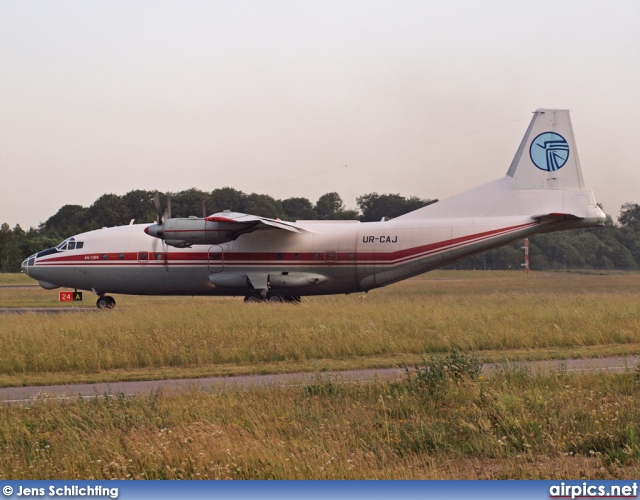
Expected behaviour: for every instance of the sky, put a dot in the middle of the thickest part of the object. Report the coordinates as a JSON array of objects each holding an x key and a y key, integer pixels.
[{"x": 300, "y": 98}]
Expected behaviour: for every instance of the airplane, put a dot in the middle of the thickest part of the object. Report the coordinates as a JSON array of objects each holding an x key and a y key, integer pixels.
[{"x": 262, "y": 259}]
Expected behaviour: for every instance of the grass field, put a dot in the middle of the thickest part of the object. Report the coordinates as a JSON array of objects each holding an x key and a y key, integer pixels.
[
  {"x": 508, "y": 426},
  {"x": 499, "y": 315},
  {"x": 511, "y": 425}
]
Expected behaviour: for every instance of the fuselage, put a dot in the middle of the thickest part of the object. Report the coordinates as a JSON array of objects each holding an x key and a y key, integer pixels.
[
  {"x": 344, "y": 257},
  {"x": 232, "y": 253}
]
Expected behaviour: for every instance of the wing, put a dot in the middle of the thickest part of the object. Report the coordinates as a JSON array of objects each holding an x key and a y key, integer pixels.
[
  {"x": 215, "y": 229},
  {"x": 233, "y": 219}
]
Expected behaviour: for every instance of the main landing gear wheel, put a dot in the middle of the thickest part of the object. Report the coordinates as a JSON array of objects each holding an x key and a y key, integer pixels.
[
  {"x": 252, "y": 299},
  {"x": 272, "y": 298},
  {"x": 275, "y": 298},
  {"x": 105, "y": 302}
]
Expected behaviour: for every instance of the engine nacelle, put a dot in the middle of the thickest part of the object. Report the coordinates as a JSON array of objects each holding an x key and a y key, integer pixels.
[
  {"x": 183, "y": 233},
  {"x": 230, "y": 280},
  {"x": 295, "y": 280}
]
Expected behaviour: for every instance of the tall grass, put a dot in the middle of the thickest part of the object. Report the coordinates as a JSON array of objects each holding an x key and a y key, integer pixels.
[
  {"x": 502, "y": 312},
  {"x": 511, "y": 425}
]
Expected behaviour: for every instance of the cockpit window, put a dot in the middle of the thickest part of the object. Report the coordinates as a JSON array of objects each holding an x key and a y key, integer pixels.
[{"x": 70, "y": 244}]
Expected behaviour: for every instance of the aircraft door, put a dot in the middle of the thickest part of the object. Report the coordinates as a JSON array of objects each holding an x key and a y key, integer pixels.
[
  {"x": 365, "y": 252},
  {"x": 216, "y": 259}
]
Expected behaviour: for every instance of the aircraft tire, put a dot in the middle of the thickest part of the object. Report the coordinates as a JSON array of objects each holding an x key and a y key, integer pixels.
[
  {"x": 105, "y": 302},
  {"x": 275, "y": 298},
  {"x": 252, "y": 299}
]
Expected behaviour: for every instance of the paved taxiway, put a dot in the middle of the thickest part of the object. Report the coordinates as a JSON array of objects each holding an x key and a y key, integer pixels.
[
  {"x": 46, "y": 310},
  {"x": 25, "y": 395}
]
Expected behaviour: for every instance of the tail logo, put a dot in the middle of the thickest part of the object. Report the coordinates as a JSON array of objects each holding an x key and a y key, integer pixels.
[{"x": 549, "y": 151}]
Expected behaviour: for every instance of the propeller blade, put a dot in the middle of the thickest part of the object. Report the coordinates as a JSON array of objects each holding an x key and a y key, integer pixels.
[
  {"x": 156, "y": 204},
  {"x": 168, "y": 210}
]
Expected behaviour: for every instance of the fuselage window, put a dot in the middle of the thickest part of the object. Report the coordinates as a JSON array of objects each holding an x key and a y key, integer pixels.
[
  {"x": 79, "y": 245},
  {"x": 72, "y": 245},
  {"x": 143, "y": 256}
]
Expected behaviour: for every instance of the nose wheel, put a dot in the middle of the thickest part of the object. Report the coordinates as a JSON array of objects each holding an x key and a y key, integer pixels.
[{"x": 105, "y": 302}]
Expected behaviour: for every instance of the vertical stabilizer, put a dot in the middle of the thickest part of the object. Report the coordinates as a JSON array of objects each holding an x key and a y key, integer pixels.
[
  {"x": 547, "y": 157},
  {"x": 544, "y": 178}
]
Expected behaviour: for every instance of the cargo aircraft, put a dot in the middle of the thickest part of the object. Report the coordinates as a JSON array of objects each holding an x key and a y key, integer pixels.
[{"x": 230, "y": 253}]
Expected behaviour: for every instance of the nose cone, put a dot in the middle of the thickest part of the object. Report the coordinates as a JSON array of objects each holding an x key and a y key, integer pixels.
[
  {"x": 154, "y": 230},
  {"x": 27, "y": 264}
]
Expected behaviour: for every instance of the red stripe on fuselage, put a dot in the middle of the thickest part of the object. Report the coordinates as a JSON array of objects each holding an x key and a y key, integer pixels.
[{"x": 280, "y": 258}]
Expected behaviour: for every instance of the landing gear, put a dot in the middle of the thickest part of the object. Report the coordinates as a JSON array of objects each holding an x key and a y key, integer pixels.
[
  {"x": 275, "y": 298},
  {"x": 253, "y": 298},
  {"x": 272, "y": 298},
  {"x": 105, "y": 302}
]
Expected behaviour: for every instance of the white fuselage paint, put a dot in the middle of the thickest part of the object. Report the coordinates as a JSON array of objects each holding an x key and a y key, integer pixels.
[
  {"x": 315, "y": 258},
  {"x": 353, "y": 256}
]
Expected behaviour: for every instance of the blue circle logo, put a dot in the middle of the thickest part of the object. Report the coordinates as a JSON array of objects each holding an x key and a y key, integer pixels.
[{"x": 549, "y": 151}]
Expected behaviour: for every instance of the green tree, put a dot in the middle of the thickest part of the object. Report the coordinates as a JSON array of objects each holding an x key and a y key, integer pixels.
[
  {"x": 264, "y": 206},
  {"x": 107, "y": 211},
  {"x": 375, "y": 206},
  {"x": 298, "y": 209},
  {"x": 70, "y": 219},
  {"x": 331, "y": 207},
  {"x": 191, "y": 202},
  {"x": 629, "y": 215},
  {"x": 140, "y": 205},
  {"x": 10, "y": 253},
  {"x": 227, "y": 198}
]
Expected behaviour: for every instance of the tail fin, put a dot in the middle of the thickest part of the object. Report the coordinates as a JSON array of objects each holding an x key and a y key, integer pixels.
[
  {"x": 544, "y": 178},
  {"x": 547, "y": 157}
]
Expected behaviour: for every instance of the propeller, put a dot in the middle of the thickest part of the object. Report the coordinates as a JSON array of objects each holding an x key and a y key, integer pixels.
[
  {"x": 156, "y": 204},
  {"x": 161, "y": 217}
]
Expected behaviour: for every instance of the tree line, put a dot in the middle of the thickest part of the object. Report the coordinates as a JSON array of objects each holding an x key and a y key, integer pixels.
[{"x": 614, "y": 246}]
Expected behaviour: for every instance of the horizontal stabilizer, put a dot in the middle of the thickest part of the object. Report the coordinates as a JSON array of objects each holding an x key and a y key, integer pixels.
[{"x": 556, "y": 216}]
